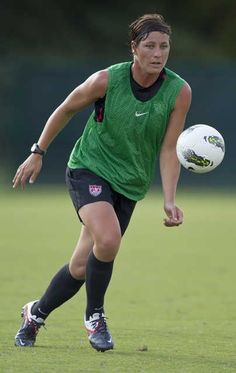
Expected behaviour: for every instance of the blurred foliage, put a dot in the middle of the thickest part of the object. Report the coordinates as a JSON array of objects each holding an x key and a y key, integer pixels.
[{"x": 201, "y": 29}]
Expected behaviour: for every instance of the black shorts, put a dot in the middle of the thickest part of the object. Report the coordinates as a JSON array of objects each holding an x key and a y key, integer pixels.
[{"x": 86, "y": 187}]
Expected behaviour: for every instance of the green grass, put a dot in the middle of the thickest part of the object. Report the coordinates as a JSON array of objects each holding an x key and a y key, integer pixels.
[{"x": 171, "y": 303}]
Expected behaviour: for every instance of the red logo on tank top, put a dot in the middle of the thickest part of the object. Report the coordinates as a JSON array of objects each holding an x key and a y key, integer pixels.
[{"x": 95, "y": 190}]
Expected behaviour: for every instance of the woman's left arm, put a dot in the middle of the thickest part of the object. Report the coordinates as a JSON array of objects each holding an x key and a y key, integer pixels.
[{"x": 169, "y": 164}]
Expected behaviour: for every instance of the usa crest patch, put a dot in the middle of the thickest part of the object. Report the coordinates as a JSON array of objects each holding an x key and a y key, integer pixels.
[{"x": 95, "y": 190}]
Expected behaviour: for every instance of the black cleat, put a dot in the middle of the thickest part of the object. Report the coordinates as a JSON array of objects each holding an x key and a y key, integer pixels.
[
  {"x": 28, "y": 331},
  {"x": 98, "y": 333}
]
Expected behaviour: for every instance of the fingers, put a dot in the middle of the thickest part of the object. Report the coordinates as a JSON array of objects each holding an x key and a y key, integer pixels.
[
  {"x": 33, "y": 177},
  {"x": 21, "y": 178},
  {"x": 175, "y": 217},
  {"x": 170, "y": 222},
  {"x": 28, "y": 170},
  {"x": 18, "y": 177}
]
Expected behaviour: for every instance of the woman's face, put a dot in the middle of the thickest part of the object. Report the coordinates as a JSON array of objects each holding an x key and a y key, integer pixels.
[{"x": 152, "y": 53}]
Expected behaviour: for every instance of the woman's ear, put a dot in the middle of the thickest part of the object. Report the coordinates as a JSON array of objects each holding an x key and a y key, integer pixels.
[{"x": 133, "y": 46}]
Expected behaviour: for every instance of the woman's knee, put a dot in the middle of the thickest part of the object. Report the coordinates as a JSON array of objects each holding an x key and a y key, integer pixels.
[
  {"x": 77, "y": 270},
  {"x": 107, "y": 245}
]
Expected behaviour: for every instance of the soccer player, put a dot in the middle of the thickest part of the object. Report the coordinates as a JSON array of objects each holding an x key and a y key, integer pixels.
[{"x": 140, "y": 107}]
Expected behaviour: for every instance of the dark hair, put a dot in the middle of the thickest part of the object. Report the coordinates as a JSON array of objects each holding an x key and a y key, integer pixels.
[{"x": 142, "y": 26}]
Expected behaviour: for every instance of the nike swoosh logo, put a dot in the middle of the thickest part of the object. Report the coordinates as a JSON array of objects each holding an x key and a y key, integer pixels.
[
  {"x": 109, "y": 340},
  {"x": 21, "y": 343},
  {"x": 137, "y": 114}
]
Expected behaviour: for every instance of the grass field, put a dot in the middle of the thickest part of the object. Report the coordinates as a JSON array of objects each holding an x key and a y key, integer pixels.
[{"x": 171, "y": 304}]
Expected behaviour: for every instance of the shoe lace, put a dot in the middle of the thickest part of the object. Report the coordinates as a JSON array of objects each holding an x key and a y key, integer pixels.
[
  {"x": 34, "y": 327},
  {"x": 100, "y": 324}
]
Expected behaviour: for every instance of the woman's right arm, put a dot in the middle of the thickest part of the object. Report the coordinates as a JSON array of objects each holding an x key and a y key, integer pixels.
[{"x": 84, "y": 95}]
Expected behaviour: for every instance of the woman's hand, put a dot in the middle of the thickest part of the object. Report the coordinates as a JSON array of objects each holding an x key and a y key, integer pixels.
[
  {"x": 28, "y": 170},
  {"x": 174, "y": 216}
]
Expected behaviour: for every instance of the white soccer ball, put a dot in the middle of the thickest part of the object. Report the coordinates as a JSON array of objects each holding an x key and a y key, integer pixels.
[{"x": 200, "y": 148}]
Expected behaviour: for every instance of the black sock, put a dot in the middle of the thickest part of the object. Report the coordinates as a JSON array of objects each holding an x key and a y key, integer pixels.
[
  {"x": 98, "y": 275},
  {"x": 62, "y": 287}
]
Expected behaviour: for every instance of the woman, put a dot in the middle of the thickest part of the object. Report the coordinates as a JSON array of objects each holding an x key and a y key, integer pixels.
[{"x": 139, "y": 111}]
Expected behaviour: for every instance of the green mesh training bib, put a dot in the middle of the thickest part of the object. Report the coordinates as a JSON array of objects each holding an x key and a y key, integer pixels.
[{"x": 123, "y": 148}]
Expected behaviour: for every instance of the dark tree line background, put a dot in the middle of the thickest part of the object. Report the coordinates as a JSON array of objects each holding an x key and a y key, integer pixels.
[
  {"x": 49, "y": 47},
  {"x": 202, "y": 29}
]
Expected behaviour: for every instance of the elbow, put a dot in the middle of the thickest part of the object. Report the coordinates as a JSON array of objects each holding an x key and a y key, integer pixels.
[{"x": 66, "y": 111}]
